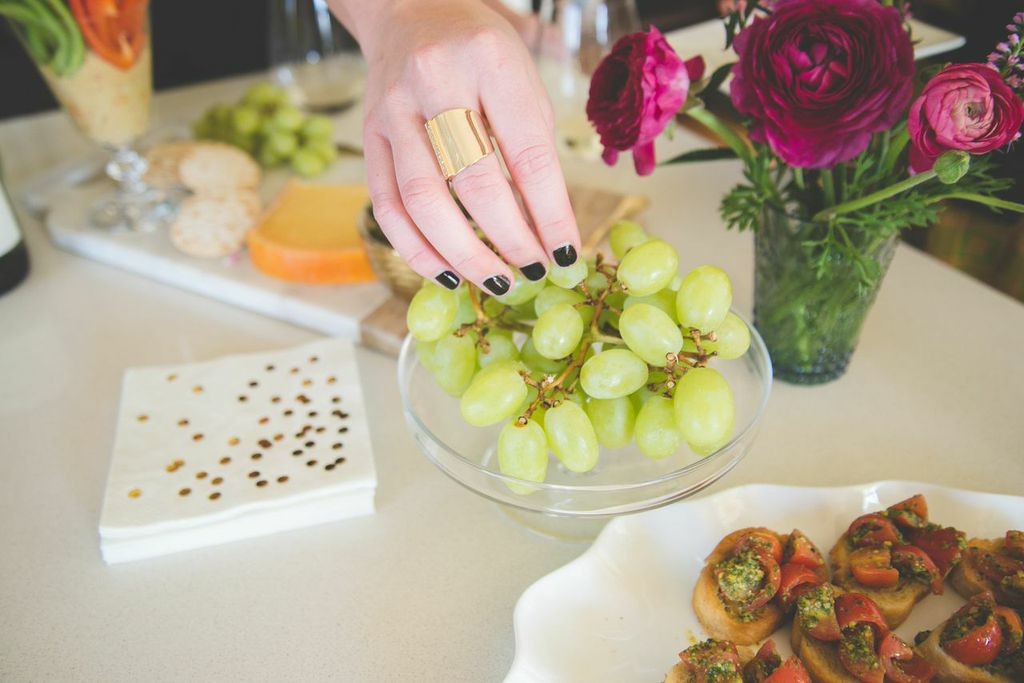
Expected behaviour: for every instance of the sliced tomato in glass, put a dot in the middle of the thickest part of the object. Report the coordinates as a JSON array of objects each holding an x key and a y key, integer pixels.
[
  {"x": 901, "y": 664},
  {"x": 943, "y": 544},
  {"x": 872, "y": 529},
  {"x": 114, "y": 30},
  {"x": 910, "y": 559},
  {"x": 872, "y": 567}
]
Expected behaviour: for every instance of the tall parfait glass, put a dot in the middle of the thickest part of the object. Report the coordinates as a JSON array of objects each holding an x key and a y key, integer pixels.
[{"x": 96, "y": 57}]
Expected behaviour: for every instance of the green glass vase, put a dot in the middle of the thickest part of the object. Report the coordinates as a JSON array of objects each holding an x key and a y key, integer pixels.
[{"x": 811, "y": 322}]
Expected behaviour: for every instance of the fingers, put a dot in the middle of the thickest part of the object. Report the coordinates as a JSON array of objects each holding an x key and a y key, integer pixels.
[
  {"x": 485, "y": 192},
  {"x": 516, "y": 107},
  {"x": 431, "y": 207},
  {"x": 393, "y": 219}
]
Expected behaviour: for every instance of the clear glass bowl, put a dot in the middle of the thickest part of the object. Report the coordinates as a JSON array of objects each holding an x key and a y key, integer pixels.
[{"x": 624, "y": 480}]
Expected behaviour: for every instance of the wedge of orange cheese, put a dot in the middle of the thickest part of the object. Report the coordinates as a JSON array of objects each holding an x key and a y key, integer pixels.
[{"x": 309, "y": 235}]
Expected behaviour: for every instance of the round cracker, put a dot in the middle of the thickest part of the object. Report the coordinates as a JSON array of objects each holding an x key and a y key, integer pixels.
[
  {"x": 163, "y": 161},
  {"x": 213, "y": 226},
  {"x": 217, "y": 167}
]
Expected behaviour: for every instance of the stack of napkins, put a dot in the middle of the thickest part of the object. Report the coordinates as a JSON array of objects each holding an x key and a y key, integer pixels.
[{"x": 238, "y": 447}]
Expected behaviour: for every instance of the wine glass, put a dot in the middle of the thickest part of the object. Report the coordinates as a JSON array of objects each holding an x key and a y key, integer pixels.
[
  {"x": 97, "y": 60},
  {"x": 572, "y": 38}
]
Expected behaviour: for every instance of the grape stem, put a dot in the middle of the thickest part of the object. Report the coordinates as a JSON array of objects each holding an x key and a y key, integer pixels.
[{"x": 547, "y": 388}]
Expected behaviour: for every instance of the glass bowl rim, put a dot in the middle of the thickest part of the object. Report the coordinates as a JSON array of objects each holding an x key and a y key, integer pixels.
[{"x": 756, "y": 342}]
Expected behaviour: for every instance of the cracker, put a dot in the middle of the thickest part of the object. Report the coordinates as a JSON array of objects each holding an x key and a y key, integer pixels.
[
  {"x": 163, "y": 161},
  {"x": 217, "y": 167},
  {"x": 213, "y": 226}
]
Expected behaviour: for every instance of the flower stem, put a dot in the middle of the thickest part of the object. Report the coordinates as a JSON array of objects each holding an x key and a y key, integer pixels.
[
  {"x": 828, "y": 185},
  {"x": 715, "y": 125},
  {"x": 856, "y": 204},
  {"x": 994, "y": 202}
]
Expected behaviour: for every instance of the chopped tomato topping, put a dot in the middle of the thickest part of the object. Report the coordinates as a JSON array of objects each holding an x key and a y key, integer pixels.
[
  {"x": 973, "y": 636},
  {"x": 853, "y": 609},
  {"x": 911, "y": 513},
  {"x": 943, "y": 544},
  {"x": 719, "y": 655},
  {"x": 764, "y": 663},
  {"x": 800, "y": 550},
  {"x": 913, "y": 562},
  {"x": 791, "y": 671},
  {"x": 760, "y": 539},
  {"x": 901, "y": 664},
  {"x": 792, "y": 578},
  {"x": 1010, "y": 625},
  {"x": 995, "y": 567},
  {"x": 749, "y": 579},
  {"x": 872, "y": 529},
  {"x": 857, "y": 654},
  {"x": 816, "y": 614},
  {"x": 1014, "y": 544},
  {"x": 872, "y": 567}
]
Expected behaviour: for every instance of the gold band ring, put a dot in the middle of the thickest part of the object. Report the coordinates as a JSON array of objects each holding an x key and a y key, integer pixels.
[{"x": 460, "y": 139}]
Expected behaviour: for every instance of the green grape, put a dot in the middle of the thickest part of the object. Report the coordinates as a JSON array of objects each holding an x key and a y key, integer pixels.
[
  {"x": 501, "y": 348},
  {"x": 425, "y": 352},
  {"x": 613, "y": 373},
  {"x": 283, "y": 144},
  {"x": 571, "y": 436},
  {"x": 648, "y": 267},
  {"x": 287, "y": 118},
  {"x": 246, "y": 143},
  {"x": 246, "y": 120},
  {"x": 531, "y": 396},
  {"x": 732, "y": 338},
  {"x": 624, "y": 236},
  {"x": 704, "y": 298},
  {"x": 203, "y": 128},
  {"x": 535, "y": 361},
  {"x": 220, "y": 118},
  {"x": 675, "y": 283},
  {"x": 569, "y": 277},
  {"x": 640, "y": 396},
  {"x": 264, "y": 95},
  {"x": 523, "y": 290},
  {"x": 267, "y": 157},
  {"x": 307, "y": 164},
  {"x": 455, "y": 363},
  {"x": 664, "y": 300},
  {"x": 466, "y": 314},
  {"x": 492, "y": 307},
  {"x": 656, "y": 431},
  {"x": 324, "y": 149},
  {"x": 493, "y": 396},
  {"x": 551, "y": 295},
  {"x": 432, "y": 312},
  {"x": 613, "y": 420},
  {"x": 597, "y": 282},
  {"x": 523, "y": 454},
  {"x": 558, "y": 331},
  {"x": 650, "y": 333},
  {"x": 317, "y": 128},
  {"x": 705, "y": 413}
]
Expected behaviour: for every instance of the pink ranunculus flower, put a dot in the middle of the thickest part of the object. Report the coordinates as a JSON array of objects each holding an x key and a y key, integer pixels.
[
  {"x": 818, "y": 78},
  {"x": 635, "y": 92},
  {"x": 965, "y": 107}
]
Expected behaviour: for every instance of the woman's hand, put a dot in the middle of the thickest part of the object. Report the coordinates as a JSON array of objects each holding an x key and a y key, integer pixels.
[{"x": 428, "y": 56}]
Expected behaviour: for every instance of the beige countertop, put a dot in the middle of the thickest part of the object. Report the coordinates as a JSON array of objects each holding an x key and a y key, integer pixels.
[{"x": 424, "y": 589}]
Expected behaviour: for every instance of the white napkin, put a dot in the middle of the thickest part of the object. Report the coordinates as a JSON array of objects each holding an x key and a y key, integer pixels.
[{"x": 237, "y": 447}]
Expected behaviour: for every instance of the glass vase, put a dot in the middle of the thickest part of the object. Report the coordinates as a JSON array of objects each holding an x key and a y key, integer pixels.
[{"x": 811, "y": 322}]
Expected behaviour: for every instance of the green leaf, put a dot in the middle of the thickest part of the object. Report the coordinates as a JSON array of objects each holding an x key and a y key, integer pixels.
[
  {"x": 718, "y": 77},
  {"x": 711, "y": 154}
]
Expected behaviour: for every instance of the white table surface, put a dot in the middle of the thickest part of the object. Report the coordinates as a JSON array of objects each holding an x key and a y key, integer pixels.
[{"x": 424, "y": 589}]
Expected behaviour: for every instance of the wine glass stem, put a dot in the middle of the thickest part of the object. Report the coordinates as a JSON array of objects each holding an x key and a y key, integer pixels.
[{"x": 128, "y": 168}]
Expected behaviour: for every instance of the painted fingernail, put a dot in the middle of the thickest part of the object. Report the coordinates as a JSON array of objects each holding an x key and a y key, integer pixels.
[
  {"x": 565, "y": 256},
  {"x": 497, "y": 285},
  {"x": 448, "y": 279},
  {"x": 534, "y": 271}
]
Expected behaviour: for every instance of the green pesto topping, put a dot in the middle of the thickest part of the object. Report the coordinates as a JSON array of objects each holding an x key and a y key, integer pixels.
[
  {"x": 739, "y": 577},
  {"x": 815, "y": 605},
  {"x": 858, "y": 643}
]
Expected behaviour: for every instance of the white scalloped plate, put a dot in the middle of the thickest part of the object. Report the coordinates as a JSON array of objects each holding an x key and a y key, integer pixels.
[{"x": 621, "y": 612}]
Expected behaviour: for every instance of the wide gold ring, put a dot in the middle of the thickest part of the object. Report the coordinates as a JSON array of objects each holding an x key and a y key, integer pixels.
[{"x": 460, "y": 139}]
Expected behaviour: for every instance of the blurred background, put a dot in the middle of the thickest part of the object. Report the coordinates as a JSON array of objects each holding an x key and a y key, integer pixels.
[{"x": 988, "y": 246}]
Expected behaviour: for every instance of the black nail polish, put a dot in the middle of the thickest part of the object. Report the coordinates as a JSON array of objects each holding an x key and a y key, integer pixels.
[
  {"x": 565, "y": 256},
  {"x": 448, "y": 279},
  {"x": 498, "y": 284},
  {"x": 534, "y": 271}
]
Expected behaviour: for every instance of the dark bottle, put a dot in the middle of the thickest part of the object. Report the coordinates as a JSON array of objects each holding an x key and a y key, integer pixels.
[{"x": 13, "y": 253}]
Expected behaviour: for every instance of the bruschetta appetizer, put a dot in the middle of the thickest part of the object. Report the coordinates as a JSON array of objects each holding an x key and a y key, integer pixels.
[
  {"x": 896, "y": 557},
  {"x": 980, "y": 643},
  {"x": 719, "y": 661},
  {"x": 995, "y": 565},
  {"x": 750, "y": 580},
  {"x": 843, "y": 638}
]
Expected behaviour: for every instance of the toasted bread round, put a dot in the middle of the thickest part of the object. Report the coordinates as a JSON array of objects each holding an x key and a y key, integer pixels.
[
  {"x": 711, "y": 612},
  {"x": 163, "y": 161},
  {"x": 821, "y": 659},
  {"x": 679, "y": 674},
  {"x": 968, "y": 582},
  {"x": 212, "y": 227},
  {"x": 950, "y": 669},
  {"x": 214, "y": 166},
  {"x": 895, "y": 603}
]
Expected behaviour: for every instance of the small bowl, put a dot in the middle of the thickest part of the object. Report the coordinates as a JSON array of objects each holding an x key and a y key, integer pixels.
[{"x": 624, "y": 480}]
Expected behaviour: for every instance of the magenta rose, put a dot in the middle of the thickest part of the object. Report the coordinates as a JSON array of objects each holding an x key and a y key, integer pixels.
[
  {"x": 965, "y": 107},
  {"x": 635, "y": 92},
  {"x": 819, "y": 78}
]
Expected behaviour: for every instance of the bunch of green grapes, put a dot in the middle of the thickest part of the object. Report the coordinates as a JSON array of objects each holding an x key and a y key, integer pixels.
[
  {"x": 270, "y": 128},
  {"x": 608, "y": 354}
]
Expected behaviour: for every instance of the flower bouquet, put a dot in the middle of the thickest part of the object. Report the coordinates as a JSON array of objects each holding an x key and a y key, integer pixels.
[{"x": 841, "y": 151}]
